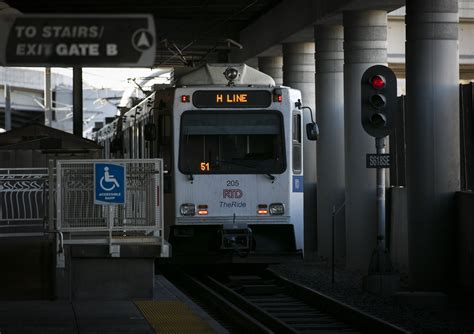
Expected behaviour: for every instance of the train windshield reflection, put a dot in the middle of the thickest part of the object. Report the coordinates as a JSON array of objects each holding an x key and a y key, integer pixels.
[{"x": 232, "y": 142}]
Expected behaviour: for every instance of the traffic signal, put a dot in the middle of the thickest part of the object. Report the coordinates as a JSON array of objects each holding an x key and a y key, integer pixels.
[{"x": 379, "y": 100}]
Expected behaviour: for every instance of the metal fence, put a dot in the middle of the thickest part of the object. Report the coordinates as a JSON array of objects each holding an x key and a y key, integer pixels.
[
  {"x": 23, "y": 202},
  {"x": 140, "y": 215}
]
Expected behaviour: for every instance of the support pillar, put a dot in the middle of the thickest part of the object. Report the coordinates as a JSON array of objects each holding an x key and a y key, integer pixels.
[
  {"x": 48, "y": 107},
  {"x": 252, "y": 62},
  {"x": 365, "y": 44},
  {"x": 273, "y": 66},
  {"x": 330, "y": 153},
  {"x": 432, "y": 137},
  {"x": 77, "y": 101},
  {"x": 8, "y": 108},
  {"x": 298, "y": 73}
]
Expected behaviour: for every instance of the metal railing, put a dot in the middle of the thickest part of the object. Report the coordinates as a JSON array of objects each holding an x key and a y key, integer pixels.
[
  {"x": 23, "y": 202},
  {"x": 85, "y": 221},
  {"x": 61, "y": 201}
]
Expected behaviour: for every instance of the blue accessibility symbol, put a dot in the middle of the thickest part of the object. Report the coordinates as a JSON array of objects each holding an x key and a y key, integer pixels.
[{"x": 110, "y": 186}]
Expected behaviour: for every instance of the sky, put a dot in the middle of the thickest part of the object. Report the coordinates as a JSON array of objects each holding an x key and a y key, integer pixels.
[{"x": 115, "y": 78}]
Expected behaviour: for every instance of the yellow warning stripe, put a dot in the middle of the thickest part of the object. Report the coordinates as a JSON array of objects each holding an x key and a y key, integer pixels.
[{"x": 172, "y": 316}]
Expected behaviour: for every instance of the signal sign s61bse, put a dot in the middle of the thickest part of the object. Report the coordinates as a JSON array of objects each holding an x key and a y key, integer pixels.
[{"x": 379, "y": 100}]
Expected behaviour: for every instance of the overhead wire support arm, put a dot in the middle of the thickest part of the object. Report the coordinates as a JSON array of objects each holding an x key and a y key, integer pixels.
[{"x": 133, "y": 80}]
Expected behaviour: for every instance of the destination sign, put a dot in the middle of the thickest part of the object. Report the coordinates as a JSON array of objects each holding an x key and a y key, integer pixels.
[
  {"x": 228, "y": 99},
  {"x": 378, "y": 161},
  {"x": 83, "y": 40}
]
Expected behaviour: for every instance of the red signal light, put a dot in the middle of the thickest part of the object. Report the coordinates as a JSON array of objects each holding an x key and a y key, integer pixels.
[
  {"x": 185, "y": 98},
  {"x": 377, "y": 81}
]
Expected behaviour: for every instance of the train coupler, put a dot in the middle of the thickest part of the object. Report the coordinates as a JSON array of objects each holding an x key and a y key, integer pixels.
[{"x": 235, "y": 237}]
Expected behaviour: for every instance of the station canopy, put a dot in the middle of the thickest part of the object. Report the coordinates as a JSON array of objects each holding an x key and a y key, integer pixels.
[{"x": 188, "y": 32}]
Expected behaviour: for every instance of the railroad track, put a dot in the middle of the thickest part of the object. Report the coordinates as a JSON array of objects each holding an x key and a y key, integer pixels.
[{"x": 266, "y": 303}]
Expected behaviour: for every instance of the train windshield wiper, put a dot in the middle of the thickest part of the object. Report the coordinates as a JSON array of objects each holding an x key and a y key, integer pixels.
[
  {"x": 271, "y": 177},
  {"x": 189, "y": 174}
]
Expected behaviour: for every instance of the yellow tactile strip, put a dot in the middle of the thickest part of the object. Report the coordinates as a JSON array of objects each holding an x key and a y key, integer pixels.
[{"x": 172, "y": 316}]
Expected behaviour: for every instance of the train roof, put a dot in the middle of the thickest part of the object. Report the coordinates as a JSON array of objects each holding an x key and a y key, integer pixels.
[{"x": 213, "y": 74}]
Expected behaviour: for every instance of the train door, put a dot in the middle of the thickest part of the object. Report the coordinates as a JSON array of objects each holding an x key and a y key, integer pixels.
[{"x": 296, "y": 187}]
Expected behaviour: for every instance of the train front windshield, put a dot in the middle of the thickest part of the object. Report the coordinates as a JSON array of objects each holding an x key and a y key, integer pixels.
[{"x": 232, "y": 142}]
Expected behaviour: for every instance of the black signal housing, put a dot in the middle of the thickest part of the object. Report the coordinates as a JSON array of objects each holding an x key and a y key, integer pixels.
[{"x": 378, "y": 100}]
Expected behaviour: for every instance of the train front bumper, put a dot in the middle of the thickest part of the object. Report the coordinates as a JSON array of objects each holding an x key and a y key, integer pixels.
[{"x": 241, "y": 243}]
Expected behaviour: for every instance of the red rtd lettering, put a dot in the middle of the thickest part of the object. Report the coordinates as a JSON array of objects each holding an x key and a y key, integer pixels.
[{"x": 232, "y": 193}]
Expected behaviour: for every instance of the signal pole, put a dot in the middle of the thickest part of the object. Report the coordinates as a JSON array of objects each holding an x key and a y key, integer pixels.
[
  {"x": 379, "y": 101},
  {"x": 381, "y": 205}
]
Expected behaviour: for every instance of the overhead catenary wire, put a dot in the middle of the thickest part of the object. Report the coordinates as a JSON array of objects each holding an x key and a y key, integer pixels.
[{"x": 213, "y": 26}]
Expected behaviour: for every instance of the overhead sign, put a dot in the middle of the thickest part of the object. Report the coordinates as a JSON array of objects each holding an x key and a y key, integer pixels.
[
  {"x": 378, "y": 161},
  {"x": 79, "y": 40},
  {"x": 110, "y": 186},
  {"x": 228, "y": 99}
]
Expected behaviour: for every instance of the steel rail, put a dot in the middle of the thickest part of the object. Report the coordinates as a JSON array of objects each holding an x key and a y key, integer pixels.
[
  {"x": 218, "y": 303},
  {"x": 269, "y": 303},
  {"x": 357, "y": 318}
]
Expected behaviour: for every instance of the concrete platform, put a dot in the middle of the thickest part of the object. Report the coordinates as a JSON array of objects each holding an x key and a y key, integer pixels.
[
  {"x": 71, "y": 317},
  {"x": 166, "y": 291},
  {"x": 95, "y": 316}
]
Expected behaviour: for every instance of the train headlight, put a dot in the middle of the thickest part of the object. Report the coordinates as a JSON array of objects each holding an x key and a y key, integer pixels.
[
  {"x": 277, "y": 209},
  {"x": 187, "y": 209},
  {"x": 231, "y": 73}
]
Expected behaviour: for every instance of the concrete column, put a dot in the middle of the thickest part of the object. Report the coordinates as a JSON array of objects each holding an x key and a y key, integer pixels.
[
  {"x": 330, "y": 153},
  {"x": 48, "y": 98},
  {"x": 77, "y": 112},
  {"x": 273, "y": 66},
  {"x": 365, "y": 44},
  {"x": 432, "y": 137},
  {"x": 298, "y": 73},
  {"x": 252, "y": 62},
  {"x": 8, "y": 107}
]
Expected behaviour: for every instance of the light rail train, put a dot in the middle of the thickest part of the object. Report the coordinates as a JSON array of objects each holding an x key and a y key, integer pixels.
[{"x": 232, "y": 146}]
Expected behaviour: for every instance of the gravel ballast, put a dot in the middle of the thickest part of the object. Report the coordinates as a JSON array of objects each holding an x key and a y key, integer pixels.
[{"x": 449, "y": 317}]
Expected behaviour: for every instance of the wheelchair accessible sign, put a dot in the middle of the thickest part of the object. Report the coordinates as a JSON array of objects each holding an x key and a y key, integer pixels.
[{"x": 110, "y": 184}]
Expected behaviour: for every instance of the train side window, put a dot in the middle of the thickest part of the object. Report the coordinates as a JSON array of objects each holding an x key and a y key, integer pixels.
[
  {"x": 139, "y": 140},
  {"x": 137, "y": 147},
  {"x": 125, "y": 144},
  {"x": 296, "y": 141},
  {"x": 130, "y": 152},
  {"x": 130, "y": 142},
  {"x": 164, "y": 129},
  {"x": 167, "y": 141},
  {"x": 164, "y": 149}
]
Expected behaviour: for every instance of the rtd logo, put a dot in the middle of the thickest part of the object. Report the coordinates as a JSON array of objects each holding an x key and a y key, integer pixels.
[{"x": 232, "y": 193}]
